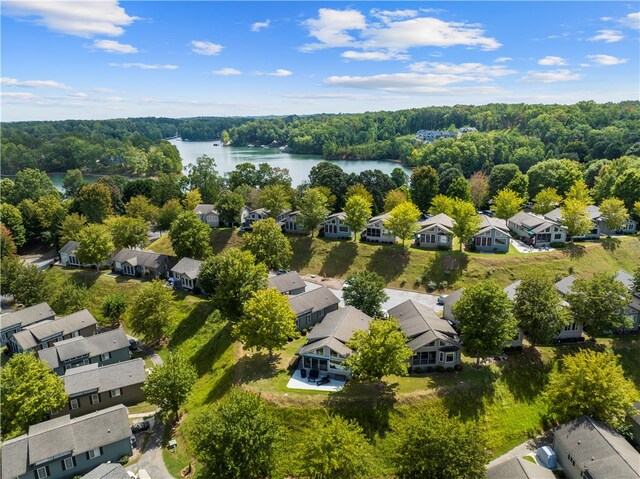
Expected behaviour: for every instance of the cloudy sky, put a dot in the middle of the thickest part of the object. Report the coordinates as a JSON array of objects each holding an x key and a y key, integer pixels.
[{"x": 109, "y": 59}]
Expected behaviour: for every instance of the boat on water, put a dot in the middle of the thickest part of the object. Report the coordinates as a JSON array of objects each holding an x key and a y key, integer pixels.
[{"x": 217, "y": 143}]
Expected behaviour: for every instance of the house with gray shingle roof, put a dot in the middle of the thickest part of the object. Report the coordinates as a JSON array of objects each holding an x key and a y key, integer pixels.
[
  {"x": 436, "y": 232},
  {"x": 335, "y": 227},
  {"x": 633, "y": 309},
  {"x": 326, "y": 346},
  {"x": 311, "y": 307},
  {"x": 293, "y": 224},
  {"x": 185, "y": 273},
  {"x": 519, "y": 468},
  {"x": 589, "y": 449},
  {"x": 108, "y": 471},
  {"x": 69, "y": 256},
  {"x": 132, "y": 262},
  {"x": 44, "y": 334},
  {"x": 493, "y": 236},
  {"x": 599, "y": 226},
  {"x": 92, "y": 388},
  {"x": 433, "y": 341},
  {"x": 376, "y": 231},
  {"x": 208, "y": 214},
  {"x": 102, "y": 349},
  {"x": 63, "y": 448},
  {"x": 12, "y": 323},
  {"x": 537, "y": 230},
  {"x": 572, "y": 331},
  {"x": 288, "y": 283}
]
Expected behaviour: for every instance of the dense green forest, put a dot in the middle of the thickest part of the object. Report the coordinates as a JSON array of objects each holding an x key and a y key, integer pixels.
[{"x": 507, "y": 133}]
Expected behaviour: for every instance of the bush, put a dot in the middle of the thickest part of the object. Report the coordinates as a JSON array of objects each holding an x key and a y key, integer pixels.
[
  {"x": 449, "y": 369},
  {"x": 431, "y": 286},
  {"x": 444, "y": 285},
  {"x": 440, "y": 368},
  {"x": 457, "y": 367},
  {"x": 123, "y": 460},
  {"x": 417, "y": 370},
  {"x": 558, "y": 245}
]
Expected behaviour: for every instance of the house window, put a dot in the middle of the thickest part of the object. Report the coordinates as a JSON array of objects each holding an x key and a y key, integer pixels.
[
  {"x": 319, "y": 352},
  {"x": 42, "y": 472},
  {"x": 116, "y": 392},
  {"x": 95, "y": 398},
  {"x": 94, "y": 453},
  {"x": 307, "y": 362},
  {"x": 321, "y": 313},
  {"x": 105, "y": 356},
  {"x": 571, "y": 327},
  {"x": 68, "y": 463},
  {"x": 442, "y": 239},
  {"x": 450, "y": 357},
  {"x": 557, "y": 236},
  {"x": 571, "y": 459},
  {"x": 344, "y": 229},
  {"x": 74, "y": 403},
  {"x": 307, "y": 318},
  {"x": 75, "y": 334}
]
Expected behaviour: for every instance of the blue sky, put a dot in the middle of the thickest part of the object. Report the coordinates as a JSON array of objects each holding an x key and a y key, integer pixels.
[{"x": 110, "y": 59}]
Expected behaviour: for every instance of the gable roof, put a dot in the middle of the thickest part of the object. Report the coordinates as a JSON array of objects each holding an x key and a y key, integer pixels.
[
  {"x": 453, "y": 297},
  {"x": 511, "y": 290},
  {"x": 598, "y": 449},
  {"x": 204, "y": 209},
  {"x": 625, "y": 278},
  {"x": 27, "y": 316},
  {"x": 76, "y": 347},
  {"x": 336, "y": 329},
  {"x": 556, "y": 214},
  {"x": 533, "y": 223},
  {"x": 422, "y": 325},
  {"x": 63, "y": 435},
  {"x": 313, "y": 300},
  {"x": 32, "y": 335},
  {"x": 341, "y": 215},
  {"x": 287, "y": 282},
  {"x": 148, "y": 259},
  {"x": 383, "y": 217},
  {"x": 70, "y": 247},
  {"x": 108, "y": 470},
  {"x": 564, "y": 285},
  {"x": 519, "y": 468},
  {"x": 443, "y": 221},
  {"x": 106, "y": 378},
  {"x": 188, "y": 266},
  {"x": 488, "y": 223}
]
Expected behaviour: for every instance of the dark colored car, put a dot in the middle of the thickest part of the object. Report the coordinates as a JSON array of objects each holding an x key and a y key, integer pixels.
[
  {"x": 140, "y": 426},
  {"x": 133, "y": 344}
]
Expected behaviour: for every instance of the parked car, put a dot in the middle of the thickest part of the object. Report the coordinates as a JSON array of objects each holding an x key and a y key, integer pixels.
[
  {"x": 139, "y": 426},
  {"x": 134, "y": 442},
  {"x": 440, "y": 299}
]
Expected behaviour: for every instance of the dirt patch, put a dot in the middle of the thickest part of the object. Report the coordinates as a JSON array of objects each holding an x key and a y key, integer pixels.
[{"x": 332, "y": 283}]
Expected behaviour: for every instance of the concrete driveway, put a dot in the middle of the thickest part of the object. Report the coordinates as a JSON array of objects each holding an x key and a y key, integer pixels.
[{"x": 151, "y": 458}]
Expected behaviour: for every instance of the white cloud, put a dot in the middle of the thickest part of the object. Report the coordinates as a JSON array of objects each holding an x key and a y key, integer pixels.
[
  {"x": 17, "y": 95},
  {"x": 78, "y": 96},
  {"x": 375, "y": 56},
  {"x": 113, "y": 46},
  {"x": 115, "y": 99},
  {"x": 340, "y": 96},
  {"x": 82, "y": 19},
  {"x": 256, "y": 27},
  {"x": 205, "y": 48},
  {"x": 472, "y": 71},
  {"x": 608, "y": 36},
  {"x": 227, "y": 72},
  {"x": 144, "y": 66},
  {"x": 632, "y": 20},
  {"x": 503, "y": 59},
  {"x": 280, "y": 72},
  {"x": 331, "y": 27},
  {"x": 607, "y": 60},
  {"x": 388, "y": 15},
  {"x": 606, "y": 19},
  {"x": 551, "y": 60},
  {"x": 551, "y": 76},
  {"x": 102, "y": 90},
  {"x": 49, "y": 84}
]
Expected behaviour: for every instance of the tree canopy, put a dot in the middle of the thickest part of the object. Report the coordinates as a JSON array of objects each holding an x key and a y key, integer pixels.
[
  {"x": 169, "y": 384},
  {"x": 267, "y": 243},
  {"x": 149, "y": 313},
  {"x": 364, "y": 290},
  {"x": 190, "y": 237}
]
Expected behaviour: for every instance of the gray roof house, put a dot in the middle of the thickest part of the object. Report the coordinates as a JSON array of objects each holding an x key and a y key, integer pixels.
[
  {"x": 69, "y": 256},
  {"x": 493, "y": 236},
  {"x": 599, "y": 226},
  {"x": 207, "y": 214},
  {"x": 111, "y": 470},
  {"x": 131, "y": 262},
  {"x": 63, "y": 448},
  {"x": 45, "y": 333},
  {"x": 537, "y": 230},
  {"x": 91, "y": 388},
  {"x": 519, "y": 468},
  {"x": 293, "y": 224},
  {"x": 633, "y": 309},
  {"x": 326, "y": 348},
  {"x": 335, "y": 227},
  {"x": 433, "y": 341},
  {"x": 11, "y": 323},
  {"x": 311, "y": 307},
  {"x": 376, "y": 231},
  {"x": 436, "y": 232},
  {"x": 102, "y": 349},
  {"x": 288, "y": 283},
  {"x": 449, "y": 301},
  {"x": 256, "y": 215},
  {"x": 572, "y": 331},
  {"x": 588, "y": 449},
  {"x": 185, "y": 273}
]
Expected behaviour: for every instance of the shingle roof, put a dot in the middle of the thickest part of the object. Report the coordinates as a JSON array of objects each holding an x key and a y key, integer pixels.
[
  {"x": 287, "y": 282},
  {"x": 511, "y": 290},
  {"x": 489, "y": 223},
  {"x": 27, "y": 316},
  {"x": 340, "y": 215},
  {"x": 70, "y": 247},
  {"x": 532, "y": 222},
  {"x": 147, "y": 259},
  {"x": 453, "y": 297},
  {"x": 564, "y": 285},
  {"x": 598, "y": 449},
  {"x": 205, "y": 209},
  {"x": 625, "y": 278},
  {"x": 106, "y": 378},
  {"x": 188, "y": 266},
  {"x": 379, "y": 217},
  {"x": 422, "y": 325},
  {"x": 32, "y": 335},
  {"x": 313, "y": 300},
  {"x": 336, "y": 327},
  {"x": 63, "y": 435},
  {"x": 556, "y": 214},
  {"x": 79, "y": 346},
  {"x": 443, "y": 221},
  {"x": 107, "y": 471},
  {"x": 519, "y": 468}
]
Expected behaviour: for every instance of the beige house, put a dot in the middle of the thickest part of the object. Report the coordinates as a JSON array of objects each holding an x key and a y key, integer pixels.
[{"x": 436, "y": 233}]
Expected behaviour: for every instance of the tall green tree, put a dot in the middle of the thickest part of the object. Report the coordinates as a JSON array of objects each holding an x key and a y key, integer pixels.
[
  {"x": 169, "y": 384},
  {"x": 380, "y": 351},
  {"x": 557, "y": 174},
  {"x": 364, "y": 290},
  {"x": 267, "y": 321},
  {"x": 95, "y": 245},
  {"x": 394, "y": 197},
  {"x": 506, "y": 203},
  {"x": 627, "y": 186},
  {"x": 589, "y": 383},
  {"x": 500, "y": 176},
  {"x": 314, "y": 208},
  {"x": 23, "y": 281},
  {"x": 67, "y": 297},
  {"x": 403, "y": 221},
  {"x": 275, "y": 199},
  {"x": 149, "y": 313},
  {"x": 190, "y": 237},
  {"x": 204, "y": 177},
  {"x": 441, "y": 204},
  {"x": 336, "y": 449},
  {"x": 358, "y": 211},
  {"x": 11, "y": 218},
  {"x": 466, "y": 221},
  {"x": 94, "y": 202},
  {"x": 423, "y": 186},
  {"x": 579, "y": 191},
  {"x": 614, "y": 213},
  {"x": 538, "y": 308},
  {"x": 459, "y": 188},
  {"x": 28, "y": 391},
  {"x": 599, "y": 304},
  {"x": 167, "y": 187},
  {"x": 139, "y": 206},
  {"x": 31, "y": 184},
  {"x": 233, "y": 277},
  {"x": 69, "y": 229},
  {"x": 127, "y": 232},
  {"x": 479, "y": 189},
  {"x": 268, "y": 244},
  {"x": 229, "y": 206},
  {"x": 237, "y": 439},
  {"x": 114, "y": 307},
  {"x": 168, "y": 214},
  {"x": 50, "y": 213},
  {"x": 546, "y": 200},
  {"x": 575, "y": 217},
  {"x": 359, "y": 189},
  {"x": 72, "y": 183},
  {"x": 486, "y": 319}
]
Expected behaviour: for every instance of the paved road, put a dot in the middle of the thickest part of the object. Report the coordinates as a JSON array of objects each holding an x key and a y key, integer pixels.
[
  {"x": 151, "y": 459},
  {"x": 531, "y": 446}
]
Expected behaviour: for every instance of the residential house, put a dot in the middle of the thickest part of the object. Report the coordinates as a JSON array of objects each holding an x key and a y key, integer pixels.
[
  {"x": 599, "y": 225},
  {"x": 336, "y": 228},
  {"x": 589, "y": 449},
  {"x": 293, "y": 224},
  {"x": 436, "y": 233},
  {"x": 63, "y": 448},
  {"x": 493, "y": 236},
  {"x": 433, "y": 341},
  {"x": 449, "y": 301},
  {"x": 111, "y": 470},
  {"x": 633, "y": 309},
  {"x": 68, "y": 254},
  {"x": 91, "y": 388},
  {"x": 537, "y": 230},
  {"x": 572, "y": 331},
  {"x": 185, "y": 274},
  {"x": 102, "y": 349},
  {"x": 46, "y": 333},
  {"x": 288, "y": 283},
  {"x": 11, "y": 323},
  {"x": 519, "y": 468},
  {"x": 256, "y": 215},
  {"x": 132, "y": 262},
  {"x": 311, "y": 307},
  {"x": 467, "y": 129},
  {"x": 208, "y": 214},
  {"x": 326, "y": 347},
  {"x": 429, "y": 136},
  {"x": 376, "y": 231}
]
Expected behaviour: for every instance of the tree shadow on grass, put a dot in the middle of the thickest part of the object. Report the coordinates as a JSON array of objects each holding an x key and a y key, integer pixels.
[
  {"x": 575, "y": 251},
  {"x": 191, "y": 324},
  {"x": 611, "y": 244},
  {"x": 339, "y": 259},
  {"x": 389, "y": 261},
  {"x": 302, "y": 251},
  {"x": 368, "y": 404},
  {"x": 467, "y": 399},
  {"x": 214, "y": 348},
  {"x": 627, "y": 348},
  {"x": 85, "y": 277},
  {"x": 525, "y": 373},
  {"x": 257, "y": 366},
  {"x": 220, "y": 238},
  {"x": 445, "y": 266}
]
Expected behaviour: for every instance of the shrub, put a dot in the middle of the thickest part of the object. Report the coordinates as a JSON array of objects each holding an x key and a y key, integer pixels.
[
  {"x": 417, "y": 370},
  {"x": 558, "y": 245},
  {"x": 457, "y": 367},
  {"x": 123, "y": 460},
  {"x": 440, "y": 368},
  {"x": 431, "y": 286}
]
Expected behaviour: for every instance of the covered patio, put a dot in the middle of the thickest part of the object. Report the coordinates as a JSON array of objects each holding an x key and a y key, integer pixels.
[{"x": 298, "y": 382}]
